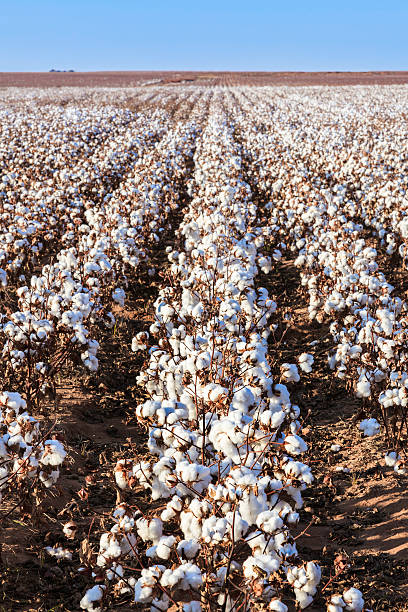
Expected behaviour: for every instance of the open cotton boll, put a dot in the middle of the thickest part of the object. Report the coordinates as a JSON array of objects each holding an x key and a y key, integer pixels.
[
  {"x": 92, "y": 597},
  {"x": 90, "y": 361},
  {"x": 59, "y": 553},
  {"x": 54, "y": 453},
  {"x": 336, "y": 604},
  {"x": 269, "y": 563},
  {"x": 118, "y": 296},
  {"x": 186, "y": 576},
  {"x": 353, "y": 598},
  {"x": 150, "y": 529},
  {"x": 192, "y": 606},
  {"x": 391, "y": 459},
  {"x": 370, "y": 427},
  {"x": 289, "y": 372},
  {"x": 174, "y": 506},
  {"x": 139, "y": 342},
  {"x": 277, "y": 606},
  {"x": 188, "y": 549},
  {"x": 303, "y": 598},
  {"x": 163, "y": 548},
  {"x": 295, "y": 445},
  {"x": 363, "y": 388},
  {"x": 306, "y": 361},
  {"x": 304, "y": 580},
  {"x": 269, "y": 521},
  {"x": 12, "y": 400}
]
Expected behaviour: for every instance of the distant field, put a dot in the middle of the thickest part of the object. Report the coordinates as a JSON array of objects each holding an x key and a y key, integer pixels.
[{"x": 131, "y": 78}]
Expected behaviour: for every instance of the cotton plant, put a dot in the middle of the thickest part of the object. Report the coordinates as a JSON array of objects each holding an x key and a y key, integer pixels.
[
  {"x": 30, "y": 463},
  {"x": 223, "y": 435}
]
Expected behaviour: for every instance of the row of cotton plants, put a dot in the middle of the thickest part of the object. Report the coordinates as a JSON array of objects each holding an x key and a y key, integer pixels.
[
  {"x": 42, "y": 158},
  {"x": 57, "y": 161},
  {"x": 34, "y": 192},
  {"x": 133, "y": 217},
  {"x": 58, "y": 307},
  {"x": 223, "y": 442},
  {"x": 61, "y": 307},
  {"x": 340, "y": 273}
]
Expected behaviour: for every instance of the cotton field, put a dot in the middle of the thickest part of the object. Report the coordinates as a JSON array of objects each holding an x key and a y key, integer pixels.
[{"x": 204, "y": 336}]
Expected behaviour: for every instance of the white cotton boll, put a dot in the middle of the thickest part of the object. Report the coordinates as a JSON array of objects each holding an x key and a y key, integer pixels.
[
  {"x": 306, "y": 361},
  {"x": 295, "y": 445},
  {"x": 174, "y": 506},
  {"x": 241, "y": 526},
  {"x": 69, "y": 529},
  {"x": 188, "y": 549},
  {"x": 370, "y": 427},
  {"x": 272, "y": 419},
  {"x": 313, "y": 574},
  {"x": 90, "y": 361},
  {"x": 192, "y": 606},
  {"x": 269, "y": 521},
  {"x": 162, "y": 549},
  {"x": 139, "y": 342},
  {"x": 379, "y": 375},
  {"x": 277, "y": 606},
  {"x": 335, "y": 448},
  {"x": 304, "y": 599},
  {"x": 289, "y": 372},
  {"x": 49, "y": 480},
  {"x": 336, "y": 604},
  {"x": 391, "y": 459},
  {"x": 118, "y": 296},
  {"x": 147, "y": 582},
  {"x": 242, "y": 400},
  {"x": 150, "y": 529},
  {"x": 353, "y": 599},
  {"x": 12, "y": 400},
  {"x": 109, "y": 548},
  {"x": 116, "y": 571},
  {"x": 91, "y": 597},
  {"x": 59, "y": 553},
  {"x": 194, "y": 475},
  {"x": 54, "y": 453},
  {"x": 363, "y": 388},
  {"x": 186, "y": 576},
  {"x": 265, "y": 264},
  {"x": 268, "y": 563}
]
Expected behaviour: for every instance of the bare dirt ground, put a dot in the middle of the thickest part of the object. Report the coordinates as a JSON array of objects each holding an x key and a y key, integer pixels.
[{"x": 135, "y": 78}]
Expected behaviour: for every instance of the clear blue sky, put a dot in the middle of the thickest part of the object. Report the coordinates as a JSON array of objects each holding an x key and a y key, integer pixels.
[{"x": 36, "y": 35}]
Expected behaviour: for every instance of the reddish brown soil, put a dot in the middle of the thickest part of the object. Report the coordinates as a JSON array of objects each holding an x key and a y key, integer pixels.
[{"x": 134, "y": 78}]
